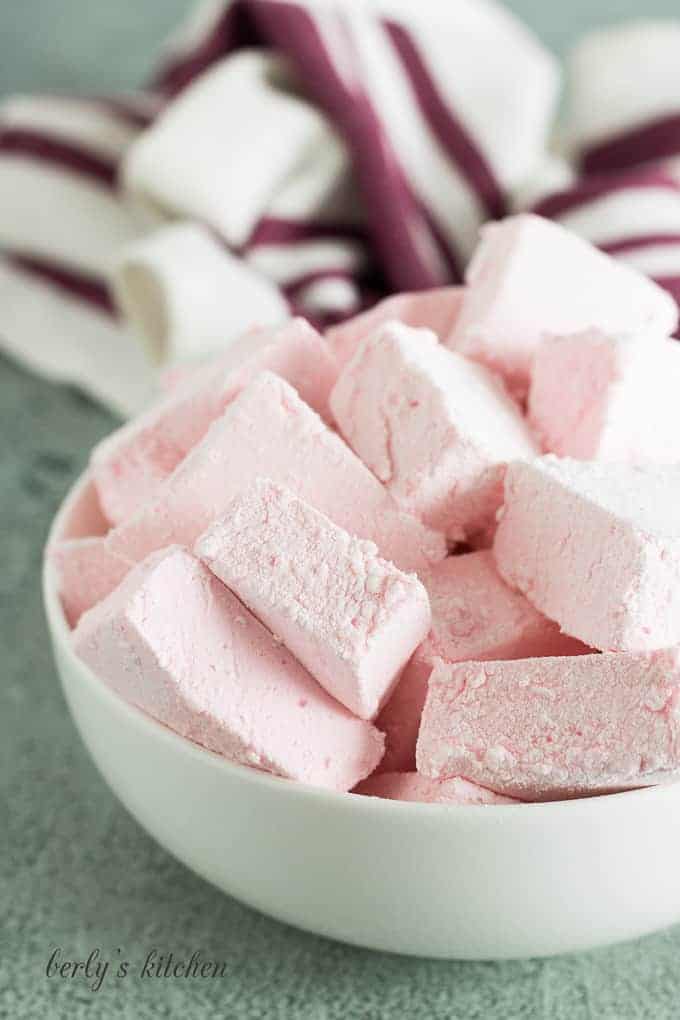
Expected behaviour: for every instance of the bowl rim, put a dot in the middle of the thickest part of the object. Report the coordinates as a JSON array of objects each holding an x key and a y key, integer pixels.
[{"x": 60, "y": 634}]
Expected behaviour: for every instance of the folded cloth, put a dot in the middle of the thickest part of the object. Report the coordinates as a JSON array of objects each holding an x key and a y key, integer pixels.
[
  {"x": 61, "y": 221},
  {"x": 624, "y": 96},
  {"x": 174, "y": 311},
  {"x": 222, "y": 150},
  {"x": 622, "y": 134},
  {"x": 634, "y": 215},
  {"x": 310, "y": 157},
  {"x": 338, "y": 153}
]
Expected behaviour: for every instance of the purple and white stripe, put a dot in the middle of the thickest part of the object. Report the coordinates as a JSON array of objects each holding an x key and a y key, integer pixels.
[
  {"x": 425, "y": 180},
  {"x": 62, "y": 217},
  {"x": 434, "y": 120},
  {"x": 633, "y": 216}
]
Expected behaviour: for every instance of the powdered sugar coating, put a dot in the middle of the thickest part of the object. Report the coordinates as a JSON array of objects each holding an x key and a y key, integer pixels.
[
  {"x": 414, "y": 787},
  {"x": 268, "y": 431},
  {"x": 596, "y": 547},
  {"x": 434, "y": 427},
  {"x": 435, "y": 309},
  {"x": 87, "y": 571},
  {"x": 541, "y": 729},
  {"x": 352, "y": 618},
  {"x": 619, "y": 402},
  {"x": 475, "y": 616},
  {"x": 530, "y": 277},
  {"x": 129, "y": 465},
  {"x": 175, "y": 642}
]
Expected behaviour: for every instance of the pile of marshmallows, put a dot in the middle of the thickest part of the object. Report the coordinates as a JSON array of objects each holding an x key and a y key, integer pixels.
[{"x": 287, "y": 580}]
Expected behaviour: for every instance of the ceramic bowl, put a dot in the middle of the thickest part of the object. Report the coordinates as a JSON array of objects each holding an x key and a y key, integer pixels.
[{"x": 423, "y": 879}]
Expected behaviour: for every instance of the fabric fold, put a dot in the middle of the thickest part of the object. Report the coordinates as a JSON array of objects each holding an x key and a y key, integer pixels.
[
  {"x": 619, "y": 118},
  {"x": 186, "y": 296},
  {"x": 220, "y": 152},
  {"x": 633, "y": 215},
  {"x": 311, "y": 157}
]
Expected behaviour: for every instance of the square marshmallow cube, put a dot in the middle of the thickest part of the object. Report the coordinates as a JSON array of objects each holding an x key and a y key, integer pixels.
[
  {"x": 435, "y": 309},
  {"x": 414, "y": 787},
  {"x": 268, "y": 431},
  {"x": 129, "y": 465},
  {"x": 175, "y": 642},
  {"x": 475, "y": 615},
  {"x": 595, "y": 396},
  {"x": 542, "y": 729},
  {"x": 596, "y": 547},
  {"x": 87, "y": 571},
  {"x": 350, "y": 617},
  {"x": 530, "y": 278},
  {"x": 434, "y": 427}
]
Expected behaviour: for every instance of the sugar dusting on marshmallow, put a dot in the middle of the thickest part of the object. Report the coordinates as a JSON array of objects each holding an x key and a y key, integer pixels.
[
  {"x": 129, "y": 466},
  {"x": 434, "y": 427},
  {"x": 476, "y": 616},
  {"x": 435, "y": 309},
  {"x": 411, "y": 786},
  {"x": 596, "y": 547},
  {"x": 87, "y": 571},
  {"x": 352, "y": 618},
  {"x": 542, "y": 729},
  {"x": 268, "y": 431},
  {"x": 173, "y": 640},
  {"x": 530, "y": 278},
  {"x": 595, "y": 396}
]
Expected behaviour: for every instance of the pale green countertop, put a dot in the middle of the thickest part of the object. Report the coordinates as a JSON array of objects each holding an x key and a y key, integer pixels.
[{"x": 77, "y": 872}]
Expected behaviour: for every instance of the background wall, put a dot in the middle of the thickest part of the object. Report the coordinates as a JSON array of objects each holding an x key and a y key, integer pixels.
[{"x": 106, "y": 44}]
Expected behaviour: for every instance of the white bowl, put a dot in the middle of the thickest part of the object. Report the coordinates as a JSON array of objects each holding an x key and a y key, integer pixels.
[{"x": 423, "y": 879}]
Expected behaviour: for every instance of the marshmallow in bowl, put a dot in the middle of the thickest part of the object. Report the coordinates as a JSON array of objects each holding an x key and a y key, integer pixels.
[
  {"x": 175, "y": 642},
  {"x": 530, "y": 277},
  {"x": 435, "y": 309},
  {"x": 414, "y": 787},
  {"x": 475, "y": 616},
  {"x": 542, "y": 729},
  {"x": 352, "y": 618},
  {"x": 434, "y": 427},
  {"x": 129, "y": 465},
  {"x": 596, "y": 547},
  {"x": 308, "y": 494},
  {"x": 87, "y": 570},
  {"x": 594, "y": 396},
  {"x": 269, "y": 431}
]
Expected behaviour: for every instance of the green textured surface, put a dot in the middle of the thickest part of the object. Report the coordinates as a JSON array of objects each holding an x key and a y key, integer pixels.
[{"x": 77, "y": 872}]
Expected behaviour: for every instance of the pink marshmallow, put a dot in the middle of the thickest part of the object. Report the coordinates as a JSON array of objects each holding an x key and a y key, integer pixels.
[
  {"x": 596, "y": 547},
  {"x": 350, "y": 617},
  {"x": 434, "y": 427},
  {"x": 599, "y": 397},
  {"x": 414, "y": 787},
  {"x": 530, "y": 277},
  {"x": 399, "y": 719},
  {"x": 176, "y": 643},
  {"x": 176, "y": 375},
  {"x": 129, "y": 465},
  {"x": 545, "y": 729},
  {"x": 268, "y": 431},
  {"x": 86, "y": 518},
  {"x": 87, "y": 571},
  {"x": 435, "y": 309},
  {"x": 475, "y": 616}
]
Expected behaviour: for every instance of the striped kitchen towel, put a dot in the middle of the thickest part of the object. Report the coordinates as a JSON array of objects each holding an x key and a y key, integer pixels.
[
  {"x": 311, "y": 157},
  {"x": 622, "y": 144},
  {"x": 286, "y": 156}
]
